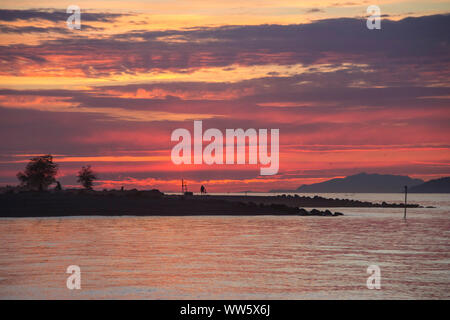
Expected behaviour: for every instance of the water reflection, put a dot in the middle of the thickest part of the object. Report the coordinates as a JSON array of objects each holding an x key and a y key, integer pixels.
[{"x": 228, "y": 257}]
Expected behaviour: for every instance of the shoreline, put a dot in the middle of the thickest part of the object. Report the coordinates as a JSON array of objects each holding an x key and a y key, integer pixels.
[{"x": 155, "y": 203}]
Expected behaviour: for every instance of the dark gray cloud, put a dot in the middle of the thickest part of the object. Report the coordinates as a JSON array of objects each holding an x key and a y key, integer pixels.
[
  {"x": 416, "y": 42},
  {"x": 31, "y": 29},
  {"x": 53, "y": 15},
  {"x": 314, "y": 10},
  {"x": 326, "y": 91}
]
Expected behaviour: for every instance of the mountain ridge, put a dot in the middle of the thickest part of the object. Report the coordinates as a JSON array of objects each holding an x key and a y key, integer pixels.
[
  {"x": 360, "y": 183},
  {"x": 441, "y": 185}
]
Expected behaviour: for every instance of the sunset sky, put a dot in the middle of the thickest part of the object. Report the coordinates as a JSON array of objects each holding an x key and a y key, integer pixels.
[{"x": 346, "y": 99}]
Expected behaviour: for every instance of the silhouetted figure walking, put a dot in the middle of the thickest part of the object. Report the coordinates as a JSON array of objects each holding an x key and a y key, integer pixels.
[
  {"x": 58, "y": 186},
  {"x": 202, "y": 190}
]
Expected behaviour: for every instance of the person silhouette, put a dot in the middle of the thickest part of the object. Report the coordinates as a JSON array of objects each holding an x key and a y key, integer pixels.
[{"x": 202, "y": 189}]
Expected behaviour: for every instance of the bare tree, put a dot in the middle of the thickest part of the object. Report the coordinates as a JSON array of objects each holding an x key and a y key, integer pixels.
[
  {"x": 86, "y": 177},
  {"x": 39, "y": 173}
]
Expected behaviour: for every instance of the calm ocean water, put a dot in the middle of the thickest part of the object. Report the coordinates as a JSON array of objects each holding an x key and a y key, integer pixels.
[{"x": 233, "y": 257}]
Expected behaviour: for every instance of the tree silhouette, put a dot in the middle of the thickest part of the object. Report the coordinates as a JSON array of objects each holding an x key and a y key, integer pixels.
[
  {"x": 39, "y": 173},
  {"x": 86, "y": 177}
]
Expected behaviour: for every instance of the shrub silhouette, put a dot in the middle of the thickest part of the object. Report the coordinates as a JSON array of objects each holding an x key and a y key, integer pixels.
[
  {"x": 39, "y": 173},
  {"x": 86, "y": 177}
]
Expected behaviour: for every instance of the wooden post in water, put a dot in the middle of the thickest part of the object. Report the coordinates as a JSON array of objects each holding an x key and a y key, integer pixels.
[{"x": 406, "y": 194}]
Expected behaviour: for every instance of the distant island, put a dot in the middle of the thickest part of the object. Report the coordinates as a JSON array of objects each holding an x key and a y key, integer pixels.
[{"x": 374, "y": 183}]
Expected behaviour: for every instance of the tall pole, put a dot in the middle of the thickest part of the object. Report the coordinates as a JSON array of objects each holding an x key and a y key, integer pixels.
[{"x": 406, "y": 194}]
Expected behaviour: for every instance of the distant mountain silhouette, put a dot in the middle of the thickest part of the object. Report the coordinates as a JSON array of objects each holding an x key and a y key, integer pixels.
[
  {"x": 441, "y": 185},
  {"x": 361, "y": 183}
]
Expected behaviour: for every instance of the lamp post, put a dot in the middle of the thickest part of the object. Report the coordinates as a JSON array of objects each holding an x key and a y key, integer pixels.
[{"x": 406, "y": 194}]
